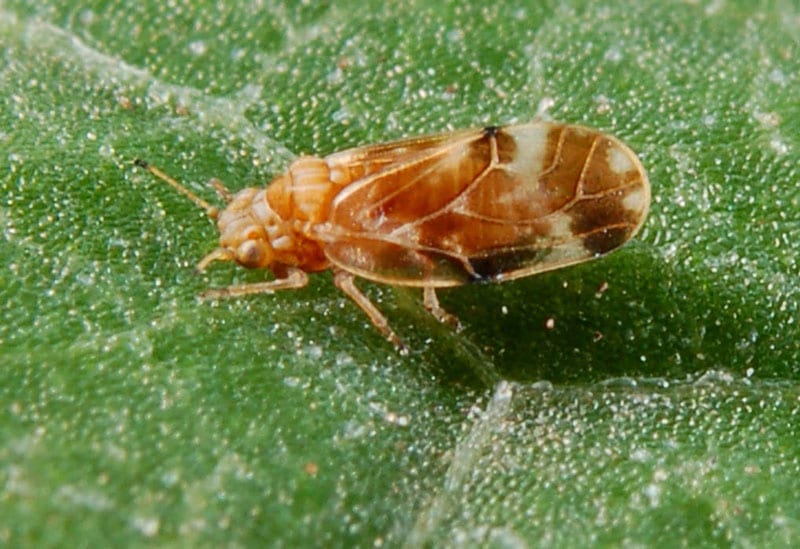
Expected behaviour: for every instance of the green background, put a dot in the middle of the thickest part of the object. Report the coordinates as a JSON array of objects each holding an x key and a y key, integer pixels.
[{"x": 662, "y": 410}]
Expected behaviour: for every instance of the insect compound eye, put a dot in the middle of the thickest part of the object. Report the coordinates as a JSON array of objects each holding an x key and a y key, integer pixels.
[{"x": 250, "y": 253}]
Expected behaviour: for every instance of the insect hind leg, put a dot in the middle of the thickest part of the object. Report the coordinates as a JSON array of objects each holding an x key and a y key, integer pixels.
[
  {"x": 345, "y": 282},
  {"x": 431, "y": 303}
]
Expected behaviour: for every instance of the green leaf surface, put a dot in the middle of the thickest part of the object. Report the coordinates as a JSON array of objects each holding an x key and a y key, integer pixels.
[{"x": 649, "y": 398}]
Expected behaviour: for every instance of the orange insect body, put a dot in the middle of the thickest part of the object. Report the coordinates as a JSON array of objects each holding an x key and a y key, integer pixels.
[{"x": 472, "y": 206}]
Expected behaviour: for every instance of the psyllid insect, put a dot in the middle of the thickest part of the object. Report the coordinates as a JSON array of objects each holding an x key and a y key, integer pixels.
[{"x": 485, "y": 205}]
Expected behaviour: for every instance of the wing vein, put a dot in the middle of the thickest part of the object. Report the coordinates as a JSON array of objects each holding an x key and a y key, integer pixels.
[{"x": 469, "y": 187}]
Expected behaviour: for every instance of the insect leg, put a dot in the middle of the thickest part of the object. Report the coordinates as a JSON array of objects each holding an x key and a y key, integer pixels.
[
  {"x": 431, "y": 302},
  {"x": 345, "y": 282},
  {"x": 295, "y": 278},
  {"x": 219, "y": 254}
]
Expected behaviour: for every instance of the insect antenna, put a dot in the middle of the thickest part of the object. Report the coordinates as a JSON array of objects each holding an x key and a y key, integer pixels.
[
  {"x": 221, "y": 189},
  {"x": 210, "y": 209}
]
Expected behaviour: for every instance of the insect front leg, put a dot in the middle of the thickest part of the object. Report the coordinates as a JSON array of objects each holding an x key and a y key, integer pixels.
[
  {"x": 345, "y": 282},
  {"x": 294, "y": 278},
  {"x": 431, "y": 302}
]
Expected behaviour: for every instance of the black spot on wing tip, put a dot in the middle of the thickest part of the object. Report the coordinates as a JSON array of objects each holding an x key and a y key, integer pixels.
[
  {"x": 604, "y": 241},
  {"x": 496, "y": 265},
  {"x": 477, "y": 278}
]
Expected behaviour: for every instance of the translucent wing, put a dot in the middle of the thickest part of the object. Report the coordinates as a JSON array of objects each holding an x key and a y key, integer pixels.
[
  {"x": 354, "y": 164},
  {"x": 490, "y": 204}
]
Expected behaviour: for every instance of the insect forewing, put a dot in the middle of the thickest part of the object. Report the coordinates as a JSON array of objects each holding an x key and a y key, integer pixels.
[
  {"x": 358, "y": 163},
  {"x": 490, "y": 204}
]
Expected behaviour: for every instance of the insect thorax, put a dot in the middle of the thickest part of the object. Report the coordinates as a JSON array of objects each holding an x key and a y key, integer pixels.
[
  {"x": 268, "y": 227},
  {"x": 305, "y": 192}
]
